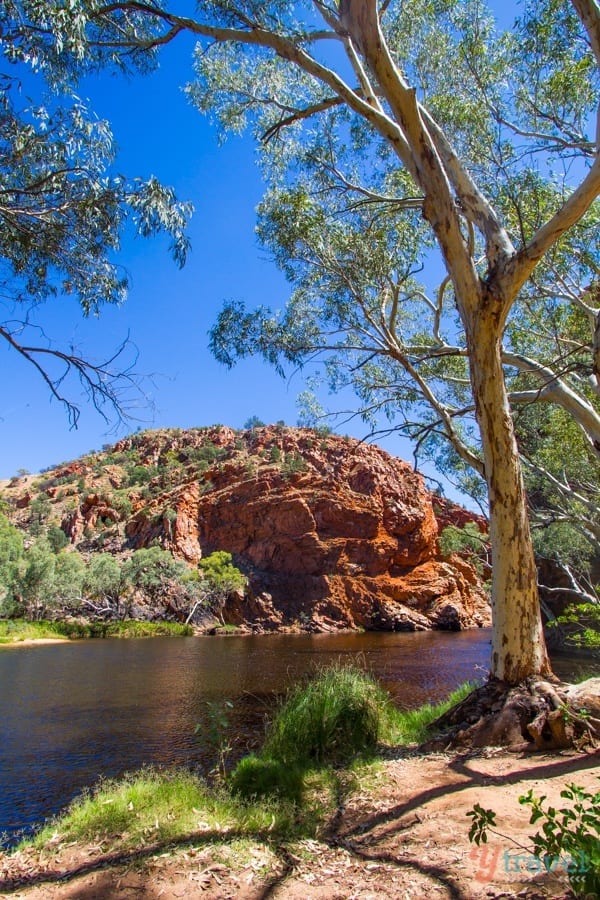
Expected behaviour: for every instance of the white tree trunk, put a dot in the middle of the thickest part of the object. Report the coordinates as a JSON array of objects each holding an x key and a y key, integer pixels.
[{"x": 518, "y": 646}]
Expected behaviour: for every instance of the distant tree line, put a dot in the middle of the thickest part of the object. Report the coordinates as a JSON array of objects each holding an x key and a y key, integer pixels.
[{"x": 43, "y": 579}]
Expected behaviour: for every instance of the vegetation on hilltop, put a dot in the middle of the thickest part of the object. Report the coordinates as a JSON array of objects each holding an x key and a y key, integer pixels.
[{"x": 64, "y": 546}]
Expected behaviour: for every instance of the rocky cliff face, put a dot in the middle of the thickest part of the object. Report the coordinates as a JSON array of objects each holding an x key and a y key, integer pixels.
[{"x": 331, "y": 533}]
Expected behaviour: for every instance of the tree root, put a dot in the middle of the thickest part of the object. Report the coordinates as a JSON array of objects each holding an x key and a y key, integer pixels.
[{"x": 533, "y": 715}]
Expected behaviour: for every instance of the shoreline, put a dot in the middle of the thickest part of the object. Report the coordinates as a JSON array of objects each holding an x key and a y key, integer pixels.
[
  {"x": 64, "y": 631},
  {"x": 31, "y": 642}
]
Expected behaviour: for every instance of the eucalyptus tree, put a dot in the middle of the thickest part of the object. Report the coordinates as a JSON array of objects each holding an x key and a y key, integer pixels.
[
  {"x": 394, "y": 134},
  {"x": 11, "y": 555},
  {"x": 63, "y": 208}
]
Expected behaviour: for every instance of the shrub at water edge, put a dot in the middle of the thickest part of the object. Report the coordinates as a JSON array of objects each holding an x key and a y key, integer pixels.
[{"x": 340, "y": 714}]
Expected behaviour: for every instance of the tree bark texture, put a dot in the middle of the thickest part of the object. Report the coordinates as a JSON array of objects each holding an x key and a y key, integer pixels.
[{"x": 518, "y": 646}]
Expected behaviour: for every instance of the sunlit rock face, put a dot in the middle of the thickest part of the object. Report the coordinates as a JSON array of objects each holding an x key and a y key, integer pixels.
[{"x": 332, "y": 533}]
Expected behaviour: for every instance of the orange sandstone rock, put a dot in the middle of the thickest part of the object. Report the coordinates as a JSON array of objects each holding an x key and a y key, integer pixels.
[{"x": 347, "y": 540}]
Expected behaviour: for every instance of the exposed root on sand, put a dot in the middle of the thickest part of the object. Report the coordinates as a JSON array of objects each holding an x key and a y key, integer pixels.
[{"x": 534, "y": 715}]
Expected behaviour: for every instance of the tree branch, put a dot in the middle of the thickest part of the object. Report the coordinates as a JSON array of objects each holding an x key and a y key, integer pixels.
[
  {"x": 555, "y": 390},
  {"x": 522, "y": 265},
  {"x": 100, "y": 381}
]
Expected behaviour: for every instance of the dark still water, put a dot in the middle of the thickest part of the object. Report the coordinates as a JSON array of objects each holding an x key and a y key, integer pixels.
[{"x": 70, "y": 713}]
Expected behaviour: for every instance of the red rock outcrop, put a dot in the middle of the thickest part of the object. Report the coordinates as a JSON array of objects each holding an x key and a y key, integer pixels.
[
  {"x": 449, "y": 513},
  {"x": 331, "y": 533},
  {"x": 93, "y": 509}
]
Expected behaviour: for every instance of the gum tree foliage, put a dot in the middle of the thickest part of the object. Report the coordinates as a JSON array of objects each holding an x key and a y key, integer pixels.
[
  {"x": 401, "y": 140},
  {"x": 35, "y": 584},
  {"x": 11, "y": 554},
  {"x": 151, "y": 570},
  {"x": 562, "y": 476},
  {"x": 222, "y": 578},
  {"x": 44, "y": 578},
  {"x": 63, "y": 208},
  {"x": 211, "y": 584},
  {"x": 102, "y": 583},
  {"x": 41, "y": 581}
]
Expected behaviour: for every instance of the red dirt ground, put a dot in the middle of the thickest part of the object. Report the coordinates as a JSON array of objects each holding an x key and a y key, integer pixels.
[{"x": 406, "y": 837}]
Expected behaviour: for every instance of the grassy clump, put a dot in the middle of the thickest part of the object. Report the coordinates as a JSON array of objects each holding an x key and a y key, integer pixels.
[
  {"x": 339, "y": 716},
  {"x": 413, "y": 726},
  {"x": 15, "y": 630},
  {"x": 154, "y": 806},
  {"x": 260, "y": 776},
  {"x": 130, "y": 628},
  {"x": 342, "y": 713}
]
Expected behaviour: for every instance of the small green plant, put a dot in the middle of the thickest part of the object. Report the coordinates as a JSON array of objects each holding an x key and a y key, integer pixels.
[
  {"x": 462, "y": 540},
  {"x": 56, "y": 538},
  {"x": 39, "y": 511},
  {"x": 169, "y": 514},
  {"x": 413, "y": 726},
  {"x": 141, "y": 475},
  {"x": 572, "y": 830},
  {"x": 581, "y": 624},
  {"x": 468, "y": 541},
  {"x": 293, "y": 463},
  {"x": 569, "y": 836},
  {"x": 122, "y": 504},
  {"x": 482, "y": 820},
  {"x": 215, "y": 734},
  {"x": 206, "y": 454},
  {"x": 258, "y": 776},
  {"x": 252, "y": 423}
]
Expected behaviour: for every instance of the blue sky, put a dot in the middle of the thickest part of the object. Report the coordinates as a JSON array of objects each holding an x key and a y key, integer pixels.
[{"x": 168, "y": 311}]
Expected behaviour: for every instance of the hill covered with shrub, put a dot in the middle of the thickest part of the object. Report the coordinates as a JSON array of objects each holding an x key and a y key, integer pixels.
[{"x": 270, "y": 528}]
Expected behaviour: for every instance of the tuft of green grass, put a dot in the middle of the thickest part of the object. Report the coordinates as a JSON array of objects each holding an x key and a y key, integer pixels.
[
  {"x": 156, "y": 806},
  {"x": 131, "y": 628},
  {"x": 413, "y": 726},
  {"x": 340, "y": 714},
  {"x": 13, "y": 631},
  {"x": 259, "y": 776},
  {"x": 335, "y": 718}
]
